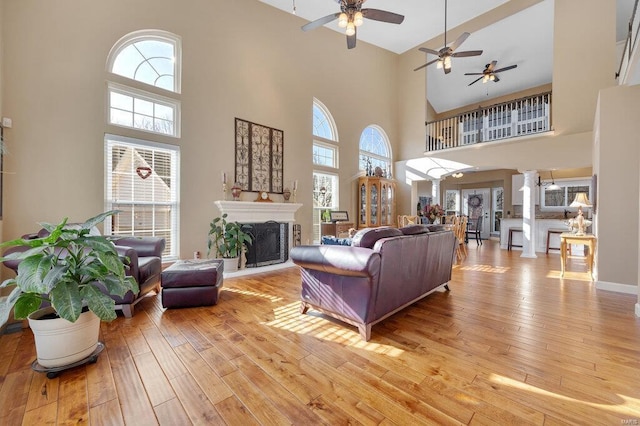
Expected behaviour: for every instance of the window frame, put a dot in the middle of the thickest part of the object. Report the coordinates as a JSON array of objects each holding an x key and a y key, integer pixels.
[
  {"x": 565, "y": 184},
  {"x": 374, "y": 156},
  {"x": 145, "y": 96},
  {"x": 111, "y": 140},
  {"x": 142, "y": 35}
]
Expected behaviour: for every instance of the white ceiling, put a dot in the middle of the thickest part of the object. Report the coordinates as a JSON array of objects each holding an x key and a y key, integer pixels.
[{"x": 529, "y": 45}]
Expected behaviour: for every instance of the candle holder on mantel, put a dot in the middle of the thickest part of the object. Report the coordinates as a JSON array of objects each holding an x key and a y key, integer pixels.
[
  {"x": 236, "y": 190},
  {"x": 294, "y": 194},
  {"x": 224, "y": 191}
]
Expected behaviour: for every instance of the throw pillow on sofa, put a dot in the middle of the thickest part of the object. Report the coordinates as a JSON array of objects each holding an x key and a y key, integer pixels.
[
  {"x": 414, "y": 229},
  {"x": 367, "y": 237}
]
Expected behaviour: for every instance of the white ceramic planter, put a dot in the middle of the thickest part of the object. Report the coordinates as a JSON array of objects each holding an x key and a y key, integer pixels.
[
  {"x": 60, "y": 342},
  {"x": 230, "y": 265}
]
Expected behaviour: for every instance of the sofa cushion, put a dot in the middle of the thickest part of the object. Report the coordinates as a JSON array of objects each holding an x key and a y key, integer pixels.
[
  {"x": 367, "y": 237},
  {"x": 414, "y": 229}
]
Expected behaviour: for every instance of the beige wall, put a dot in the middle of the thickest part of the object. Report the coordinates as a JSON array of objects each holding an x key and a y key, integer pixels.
[
  {"x": 583, "y": 61},
  {"x": 616, "y": 158},
  {"x": 262, "y": 68}
]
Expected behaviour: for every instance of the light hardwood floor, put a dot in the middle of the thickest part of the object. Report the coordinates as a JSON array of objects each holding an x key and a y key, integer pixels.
[{"x": 511, "y": 343}]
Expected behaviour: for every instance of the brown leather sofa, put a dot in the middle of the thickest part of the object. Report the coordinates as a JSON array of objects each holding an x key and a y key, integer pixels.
[
  {"x": 145, "y": 266},
  {"x": 382, "y": 272}
]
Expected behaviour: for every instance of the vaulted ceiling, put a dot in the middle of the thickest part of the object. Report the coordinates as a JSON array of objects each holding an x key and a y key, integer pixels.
[{"x": 524, "y": 38}]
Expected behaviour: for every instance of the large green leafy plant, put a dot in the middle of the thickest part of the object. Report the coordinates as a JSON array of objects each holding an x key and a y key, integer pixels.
[
  {"x": 227, "y": 238},
  {"x": 64, "y": 269}
]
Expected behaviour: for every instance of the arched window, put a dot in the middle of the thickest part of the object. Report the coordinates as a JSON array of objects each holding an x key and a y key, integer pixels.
[
  {"x": 151, "y": 57},
  {"x": 375, "y": 150},
  {"x": 325, "y": 164},
  {"x": 142, "y": 175}
]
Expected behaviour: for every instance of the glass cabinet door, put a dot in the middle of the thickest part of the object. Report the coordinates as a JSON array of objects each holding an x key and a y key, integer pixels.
[
  {"x": 363, "y": 204},
  {"x": 374, "y": 205}
]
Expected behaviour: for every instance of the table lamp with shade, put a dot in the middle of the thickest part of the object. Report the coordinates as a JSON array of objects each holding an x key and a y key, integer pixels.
[{"x": 581, "y": 200}]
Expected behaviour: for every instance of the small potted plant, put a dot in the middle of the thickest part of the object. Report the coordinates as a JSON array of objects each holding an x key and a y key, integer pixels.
[
  {"x": 64, "y": 270},
  {"x": 228, "y": 239}
]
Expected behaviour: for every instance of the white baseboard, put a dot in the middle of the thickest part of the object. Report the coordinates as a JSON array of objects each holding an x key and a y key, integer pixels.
[
  {"x": 618, "y": 288},
  {"x": 251, "y": 271}
]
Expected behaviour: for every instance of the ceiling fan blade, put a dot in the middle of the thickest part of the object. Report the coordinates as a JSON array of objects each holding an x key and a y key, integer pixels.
[
  {"x": 473, "y": 73},
  {"x": 320, "y": 22},
  {"x": 351, "y": 41},
  {"x": 382, "y": 16},
  {"x": 459, "y": 41},
  {"x": 427, "y": 64},
  {"x": 491, "y": 66},
  {"x": 427, "y": 50},
  {"x": 510, "y": 67},
  {"x": 467, "y": 53},
  {"x": 476, "y": 80}
]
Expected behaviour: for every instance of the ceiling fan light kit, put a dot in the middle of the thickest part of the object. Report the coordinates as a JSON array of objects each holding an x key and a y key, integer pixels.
[
  {"x": 351, "y": 16},
  {"x": 489, "y": 73},
  {"x": 447, "y": 52}
]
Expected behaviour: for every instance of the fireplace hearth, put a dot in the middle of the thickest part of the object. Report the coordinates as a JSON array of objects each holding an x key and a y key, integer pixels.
[{"x": 270, "y": 243}]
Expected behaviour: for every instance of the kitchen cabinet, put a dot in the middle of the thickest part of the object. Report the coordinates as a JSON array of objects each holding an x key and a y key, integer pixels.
[{"x": 376, "y": 202}]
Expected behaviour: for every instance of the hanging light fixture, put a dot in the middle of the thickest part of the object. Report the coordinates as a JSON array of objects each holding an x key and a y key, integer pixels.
[
  {"x": 553, "y": 186},
  {"x": 351, "y": 29},
  {"x": 343, "y": 20},
  {"x": 358, "y": 19}
]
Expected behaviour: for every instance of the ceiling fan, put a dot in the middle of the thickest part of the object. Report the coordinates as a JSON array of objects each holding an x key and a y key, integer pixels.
[
  {"x": 489, "y": 73},
  {"x": 351, "y": 16},
  {"x": 447, "y": 52}
]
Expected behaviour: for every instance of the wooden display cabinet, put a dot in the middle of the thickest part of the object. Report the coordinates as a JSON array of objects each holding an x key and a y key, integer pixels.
[{"x": 376, "y": 202}]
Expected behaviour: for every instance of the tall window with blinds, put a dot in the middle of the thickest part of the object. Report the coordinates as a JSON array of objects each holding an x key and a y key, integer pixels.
[{"x": 142, "y": 182}]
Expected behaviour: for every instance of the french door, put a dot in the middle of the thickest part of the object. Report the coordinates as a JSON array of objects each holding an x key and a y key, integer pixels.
[{"x": 476, "y": 202}]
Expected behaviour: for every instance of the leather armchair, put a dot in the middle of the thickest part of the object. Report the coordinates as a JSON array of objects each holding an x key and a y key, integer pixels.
[{"x": 144, "y": 264}]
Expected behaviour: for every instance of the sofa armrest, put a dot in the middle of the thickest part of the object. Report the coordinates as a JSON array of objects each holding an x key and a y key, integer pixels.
[
  {"x": 130, "y": 256},
  {"x": 144, "y": 246},
  {"x": 340, "y": 260}
]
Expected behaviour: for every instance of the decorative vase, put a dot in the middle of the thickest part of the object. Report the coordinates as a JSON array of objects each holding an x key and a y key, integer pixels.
[
  {"x": 60, "y": 342},
  {"x": 236, "y": 190}
]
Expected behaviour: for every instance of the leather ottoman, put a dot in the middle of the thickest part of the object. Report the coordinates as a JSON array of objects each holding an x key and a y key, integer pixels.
[{"x": 189, "y": 283}]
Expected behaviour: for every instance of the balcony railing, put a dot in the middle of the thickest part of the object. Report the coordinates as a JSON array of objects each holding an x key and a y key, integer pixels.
[{"x": 519, "y": 117}]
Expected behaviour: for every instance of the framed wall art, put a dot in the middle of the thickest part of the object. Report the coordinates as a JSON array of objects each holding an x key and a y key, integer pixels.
[{"x": 258, "y": 157}]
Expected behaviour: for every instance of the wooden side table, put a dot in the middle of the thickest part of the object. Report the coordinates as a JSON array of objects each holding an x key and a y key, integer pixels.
[{"x": 569, "y": 238}]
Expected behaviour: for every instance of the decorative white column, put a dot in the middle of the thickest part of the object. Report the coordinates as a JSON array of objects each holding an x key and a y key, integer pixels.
[
  {"x": 435, "y": 191},
  {"x": 529, "y": 215}
]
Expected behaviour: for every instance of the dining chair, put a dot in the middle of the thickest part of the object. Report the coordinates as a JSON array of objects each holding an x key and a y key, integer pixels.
[
  {"x": 460, "y": 231},
  {"x": 475, "y": 228}
]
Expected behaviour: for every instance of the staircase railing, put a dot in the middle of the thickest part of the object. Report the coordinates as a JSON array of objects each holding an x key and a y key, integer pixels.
[
  {"x": 519, "y": 117},
  {"x": 629, "y": 44}
]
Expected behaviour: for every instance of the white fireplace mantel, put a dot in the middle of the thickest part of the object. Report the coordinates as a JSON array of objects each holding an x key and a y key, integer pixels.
[{"x": 256, "y": 212}]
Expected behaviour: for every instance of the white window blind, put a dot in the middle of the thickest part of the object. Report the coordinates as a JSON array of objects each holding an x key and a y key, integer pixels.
[{"x": 142, "y": 182}]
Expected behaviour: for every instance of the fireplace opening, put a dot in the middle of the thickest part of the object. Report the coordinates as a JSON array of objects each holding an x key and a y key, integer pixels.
[{"x": 269, "y": 243}]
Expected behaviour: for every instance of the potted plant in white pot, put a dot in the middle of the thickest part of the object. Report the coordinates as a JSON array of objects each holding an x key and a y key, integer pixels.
[
  {"x": 63, "y": 269},
  {"x": 229, "y": 240}
]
